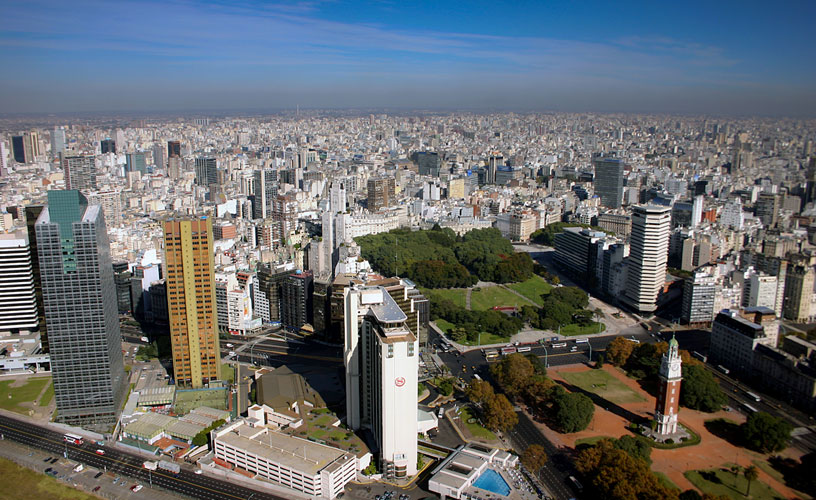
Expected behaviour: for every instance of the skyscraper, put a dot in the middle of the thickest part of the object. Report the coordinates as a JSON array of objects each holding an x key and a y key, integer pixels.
[
  {"x": 135, "y": 162},
  {"x": 206, "y": 170},
  {"x": 173, "y": 149},
  {"x": 191, "y": 306},
  {"x": 380, "y": 356},
  {"x": 609, "y": 181},
  {"x": 266, "y": 190},
  {"x": 80, "y": 172},
  {"x": 18, "y": 304},
  {"x": 381, "y": 193},
  {"x": 107, "y": 146},
  {"x": 57, "y": 142},
  {"x": 18, "y": 149},
  {"x": 32, "y": 213},
  {"x": 79, "y": 297},
  {"x": 296, "y": 300},
  {"x": 649, "y": 249}
]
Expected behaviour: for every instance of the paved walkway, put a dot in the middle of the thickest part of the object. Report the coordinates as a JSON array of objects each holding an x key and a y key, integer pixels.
[{"x": 712, "y": 452}]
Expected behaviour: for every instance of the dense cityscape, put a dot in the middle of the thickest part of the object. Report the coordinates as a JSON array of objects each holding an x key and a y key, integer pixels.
[{"x": 407, "y": 251}]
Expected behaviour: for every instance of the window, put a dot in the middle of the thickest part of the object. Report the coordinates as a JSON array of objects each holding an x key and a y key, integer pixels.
[{"x": 390, "y": 350}]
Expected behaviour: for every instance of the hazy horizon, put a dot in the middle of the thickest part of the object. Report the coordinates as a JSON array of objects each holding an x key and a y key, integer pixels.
[{"x": 731, "y": 59}]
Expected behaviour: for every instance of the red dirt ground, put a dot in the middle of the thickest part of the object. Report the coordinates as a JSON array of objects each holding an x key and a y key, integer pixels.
[{"x": 712, "y": 451}]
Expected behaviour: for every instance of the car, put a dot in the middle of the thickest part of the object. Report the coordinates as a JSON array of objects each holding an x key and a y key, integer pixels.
[
  {"x": 100, "y": 443},
  {"x": 135, "y": 488},
  {"x": 229, "y": 345},
  {"x": 48, "y": 470},
  {"x": 54, "y": 460},
  {"x": 100, "y": 452},
  {"x": 573, "y": 349},
  {"x": 47, "y": 459},
  {"x": 96, "y": 489},
  {"x": 199, "y": 471}
]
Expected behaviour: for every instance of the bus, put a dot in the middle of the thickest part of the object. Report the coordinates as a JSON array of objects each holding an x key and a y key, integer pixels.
[
  {"x": 750, "y": 408},
  {"x": 524, "y": 349},
  {"x": 582, "y": 341},
  {"x": 753, "y": 396},
  {"x": 723, "y": 369},
  {"x": 576, "y": 483},
  {"x": 491, "y": 354},
  {"x": 702, "y": 357},
  {"x": 559, "y": 344},
  {"x": 73, "y": 439},
  {"x": 508, "y": 350}
]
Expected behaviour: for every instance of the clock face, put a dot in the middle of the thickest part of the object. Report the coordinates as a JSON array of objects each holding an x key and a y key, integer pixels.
[{"x": 399, "y": 381}]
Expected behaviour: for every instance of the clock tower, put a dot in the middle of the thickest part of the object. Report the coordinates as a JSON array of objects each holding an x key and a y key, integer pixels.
[{"x": 668, "y": 396}]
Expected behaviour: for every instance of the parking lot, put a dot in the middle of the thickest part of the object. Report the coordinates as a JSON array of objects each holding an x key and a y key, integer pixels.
[{"x": 88, "y": 479}]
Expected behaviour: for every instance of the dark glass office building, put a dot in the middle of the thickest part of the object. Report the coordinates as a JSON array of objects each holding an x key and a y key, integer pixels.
[{"x": 79, "y": 296}]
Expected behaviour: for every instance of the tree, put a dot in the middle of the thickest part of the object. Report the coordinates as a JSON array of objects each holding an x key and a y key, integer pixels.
[
  {"x": 599, "y": 362},
  {"x": 513, "y": 373},
  {"x": 445, "y": 387},
  {"x": 499, "y": 414},
  {"x": 534, "y": 458},
  {"x": 750, "y": 474},
  {"x": 636, "y": 448},
  {"x": 619, "y": 350},
  {"x": 573, "y": 411},
  {"x": 615, "y": 475},
  {"x": 538, "y": 390},
  {"x": 700, "y": 390},
  {"x": 479, "y": 391},
  {"x": 766, "y": 433}
]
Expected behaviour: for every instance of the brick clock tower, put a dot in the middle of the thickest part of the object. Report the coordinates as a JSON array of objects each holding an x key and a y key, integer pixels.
[{"x": 668, "y": 397}]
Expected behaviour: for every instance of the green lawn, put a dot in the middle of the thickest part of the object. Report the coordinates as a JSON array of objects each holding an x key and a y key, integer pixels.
[
  {"x": 491, "y": 296},
  {"x": 604, "y": 385},
  {"x": 19, "y": 482},
  {"x": 668, "y": 483},
  {"x": 227, "y": 372},
  {"x": 45, "y": 400},
  {"x": 12, "y": 397},
  {"x": 720, "y": 482},
  {"x": 533, "y": 288},
  {"x": 455, "y": 295},
  {"x": 576, "y": 330},
  {"x": 444, "y": 325},
  {"x": 486, "y": 339},
  {"x": 474, "y": 427}
]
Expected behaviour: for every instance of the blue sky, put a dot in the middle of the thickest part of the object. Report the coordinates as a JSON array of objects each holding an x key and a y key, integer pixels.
[{"x": 740, "y": 58}]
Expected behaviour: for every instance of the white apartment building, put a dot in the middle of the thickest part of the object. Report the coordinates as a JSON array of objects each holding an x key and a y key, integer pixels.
[
  {"x": 18, "y": 305},
  {"x": 648, "y": 253},
  {"x": 759, "y": 290},
  {"x": 314, "y": 469},
  {"x": 381, "y": 359}
]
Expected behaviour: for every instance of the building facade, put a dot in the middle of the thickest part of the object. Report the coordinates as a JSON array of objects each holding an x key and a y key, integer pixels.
[
  {"x": 18, "y": 303},
  {"x": 191, "y": 303},
  {"x": 296, "y": 300},
  {"x": 668, "y": 395},
  {"x": 609, "y": 181},
  {"x": 79, "y": 297},
  {"x": 80, "y": 172},
  {"x": 648, "y": 254},
  {"x": 381, "y": 360}
]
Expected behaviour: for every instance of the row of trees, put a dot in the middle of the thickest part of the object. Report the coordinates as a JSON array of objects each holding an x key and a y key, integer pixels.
[
  {"x": 699, "y": 390},
  {"x": 468, "y": 324},
  {"x": 525, "y": 378},
  {"x": 438, "y": 258}
]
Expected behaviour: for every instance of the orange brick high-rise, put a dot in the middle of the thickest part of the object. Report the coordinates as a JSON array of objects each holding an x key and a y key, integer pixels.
[{"x": 191, "y": 300}]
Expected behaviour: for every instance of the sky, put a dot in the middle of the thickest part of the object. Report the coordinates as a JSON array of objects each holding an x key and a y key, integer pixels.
[{"x": 716, "y": 58}]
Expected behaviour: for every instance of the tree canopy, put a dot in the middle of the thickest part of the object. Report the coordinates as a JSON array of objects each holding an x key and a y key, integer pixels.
[
  {"x": 614, "y": 474},
  {"x": 438, "y": 258},
  {"x": 472, "y": 322},
  {"x": 700, "y": 391},
  {"x": 498, "y": 413},
  {"x": 765, "y": 433},
  {"x": 534, "y": 458},
  {"x": 572, "y": 411},
  {"x": 619, "y": 350}
]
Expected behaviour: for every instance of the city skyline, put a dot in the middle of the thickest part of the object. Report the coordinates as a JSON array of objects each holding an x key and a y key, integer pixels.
[{"x": 174, "y": 56}]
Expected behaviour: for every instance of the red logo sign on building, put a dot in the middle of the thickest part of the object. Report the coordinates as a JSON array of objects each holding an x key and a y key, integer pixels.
[{"x": 400, "y": 381}]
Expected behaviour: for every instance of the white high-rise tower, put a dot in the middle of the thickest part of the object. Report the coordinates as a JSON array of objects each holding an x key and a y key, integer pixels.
[
  {"x": 381, "y": 359},
  {"x": 649, "y": 249}
]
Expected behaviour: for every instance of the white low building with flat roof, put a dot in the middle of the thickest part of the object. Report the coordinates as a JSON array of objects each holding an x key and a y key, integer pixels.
[{"x": 305, "y": 466}]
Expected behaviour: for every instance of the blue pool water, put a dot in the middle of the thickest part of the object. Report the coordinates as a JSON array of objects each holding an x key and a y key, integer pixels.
[{"x": 491, "y": 480}]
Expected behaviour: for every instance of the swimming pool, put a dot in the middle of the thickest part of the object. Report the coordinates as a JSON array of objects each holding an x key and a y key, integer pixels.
[{"x": 491, "y": 480}]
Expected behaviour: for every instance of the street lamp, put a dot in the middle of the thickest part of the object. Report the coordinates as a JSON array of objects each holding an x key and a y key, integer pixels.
[{"x": 546, "y": 357}]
